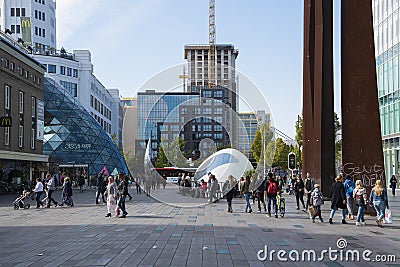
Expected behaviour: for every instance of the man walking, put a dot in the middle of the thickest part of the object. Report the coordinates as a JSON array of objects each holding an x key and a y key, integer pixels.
[
  {"x": 308, "y": 188},
  {"x": 51, "y": 186},
  {"x": 349, "y": 187},
  {"x": 271, "y": 191},
  {"x": 123, "y": 192},
  {"x": 100, "y": 188}
]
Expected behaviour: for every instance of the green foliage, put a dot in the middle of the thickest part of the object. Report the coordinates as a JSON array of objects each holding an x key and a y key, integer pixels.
[
  {"x": 250, "y": 173},
  {"x": 281, "y": 154},
  {"x": 263, "y": 139},
  {"x": 161, "y": 160}
]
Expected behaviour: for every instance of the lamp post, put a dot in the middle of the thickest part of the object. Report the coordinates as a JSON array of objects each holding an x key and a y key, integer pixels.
[{"x": 263, "y": 132}]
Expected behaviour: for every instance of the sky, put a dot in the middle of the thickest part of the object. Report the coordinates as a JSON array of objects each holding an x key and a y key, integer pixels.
[{"x": 132, "y": 40}]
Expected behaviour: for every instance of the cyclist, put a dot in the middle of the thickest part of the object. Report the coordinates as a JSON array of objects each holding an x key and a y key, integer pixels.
[{"x": 271, "y": 191}]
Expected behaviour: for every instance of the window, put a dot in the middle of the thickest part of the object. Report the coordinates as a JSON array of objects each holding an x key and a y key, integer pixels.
[
  {"x": 33, "y": 107},
  {"x": 21, "y": 136},
  {"x": 75, "y": 73},
  {"x": 7, "y": 97},
  {"x": 12, "y": 66},
  {"x": 23, "y": 14},
  {"x": 44, "y": 16},
  {"x": 13, "y": 28},
  {"x": 12, "y": 12},
  {"x": 18, "y": 28},
  {"x": 21, "y": 102},
  {"x": 69, "y": 72},
  {"x": 40, "y": 15},
  {"x": 36, "y": 30},
  {"x": 18, "y": 12},
  {"x": 43, "y": 33},
  {"x": 91, "y": 100},
  {"x": 51, "y": 68},
  {"x": 33, "y": 138},
  {"x": 36, "y": 14},
  {"x": 6, "y": 136},
  {"x": 26, "y": 74},
  {"x": 62, "y": 70}
]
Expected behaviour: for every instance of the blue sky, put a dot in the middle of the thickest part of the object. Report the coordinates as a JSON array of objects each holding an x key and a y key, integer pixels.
[{"x": 132, "y": 40}]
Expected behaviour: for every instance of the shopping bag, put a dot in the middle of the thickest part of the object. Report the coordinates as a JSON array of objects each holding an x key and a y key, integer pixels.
[
  {"x": 311, "y": 211},
  {"x": 388, "y": 216},
  {"x": 116, "y": 213}
]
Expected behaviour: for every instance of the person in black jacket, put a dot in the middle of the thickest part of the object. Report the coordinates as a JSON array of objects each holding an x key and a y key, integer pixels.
[
  {"x": 123, "y": 192},
  {"x": 299, "y": 191},
  {"x": 101, "y": 186},
  {"x": 260, "y": 193},
  {"x": 338, "y": 199},
  {"x": 393, "y": 182},
  {"x": 67, "y": 191}
]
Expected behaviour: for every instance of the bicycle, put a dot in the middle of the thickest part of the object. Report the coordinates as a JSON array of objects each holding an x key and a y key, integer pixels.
[{"x": 280, "y": 202}]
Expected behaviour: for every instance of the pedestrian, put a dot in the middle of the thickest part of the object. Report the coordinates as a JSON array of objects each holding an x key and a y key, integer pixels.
[
  {"x": 299, "y": 192},
  {"x": 81, "y": 182},
  {"x": 100, "y": 188},
  {"x": 164, "y": 181},
  {"x": 349, "y": 187},
  {"x": 393, "y": 183},
  {"x": 245, "y": 190},
  {"x": 260, "y": 193},
  {"x": 38, "y": 191},
  {"x": 316, "y": 201},
  {"x": 308, "y": 189},
  {"x": 378, "y": 198},
  {"x": 147, "y": 183},
  {"x": 138, "y": 189},
  {"x": 51, "y": 186},
  {"x": 360, "y": 199},
  {"x": 67, "y": 191},
  {"x": 271, "y": 191},
  {"x": 229, "y": 191},
  {"x": 214, "y": 188},
  {"x": 338, "y": 198},
  {"x": 127, "y": 184},
  {"x": 111, "y": 194},
  {"x": 122, "y": 192}
]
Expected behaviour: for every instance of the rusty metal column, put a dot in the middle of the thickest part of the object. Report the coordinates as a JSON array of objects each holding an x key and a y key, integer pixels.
[
  {"x": 362, "y": 140},
  {"x": 318, "y": 139}
]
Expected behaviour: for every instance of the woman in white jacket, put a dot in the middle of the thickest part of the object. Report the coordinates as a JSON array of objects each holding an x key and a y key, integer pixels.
[{"x": 111, "y": 193}]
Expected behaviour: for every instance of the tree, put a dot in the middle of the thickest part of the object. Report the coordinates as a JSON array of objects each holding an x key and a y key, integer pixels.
[
  {"x": 263, "y": 146},
  {"x": 161, "y": 159},
  {"x": 299, "y": 139},
  {"x": 281, "y": 154}
]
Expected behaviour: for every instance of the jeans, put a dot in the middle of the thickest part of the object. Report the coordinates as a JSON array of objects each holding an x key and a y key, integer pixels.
[
  {"x": 98, "y": 193},
  {"x": 394, "y": 189},
  {"x": 247, "y": 197},
  {"x": 360, "y": 214},
  {"x": 273, "y": 199},
  {"x": 121, "y": 204},
  {"x": 343, "y": 213},
  {"x": 38, "y": 202},
  {"x": 350, "y": 201},
  {"x": 299, "y": 196},
  {"x": 50, "y": 198},
  {"x": 379, "y": 206},
  {"x": 308, "y": 202}
]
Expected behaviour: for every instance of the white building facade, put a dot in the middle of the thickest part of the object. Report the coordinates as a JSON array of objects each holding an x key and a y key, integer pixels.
[
  {"x": 34, "y": 21},
  {"x": 75, "y": 73}
]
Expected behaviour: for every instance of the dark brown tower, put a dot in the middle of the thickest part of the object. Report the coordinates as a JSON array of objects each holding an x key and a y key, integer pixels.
[
  {"x": 318, "y": 137},
  {"x": 362, "y": 140}
]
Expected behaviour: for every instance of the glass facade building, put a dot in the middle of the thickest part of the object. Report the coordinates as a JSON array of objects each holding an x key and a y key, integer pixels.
[
  {"x": 73, "y": 137},
  {"x": 387, "y": 47}
]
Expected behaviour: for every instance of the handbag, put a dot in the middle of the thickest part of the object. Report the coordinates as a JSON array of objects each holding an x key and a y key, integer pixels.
[
  {"x": 388, "y": 217},
  {"x": 311, "y": 211},
  {"x": 359, "y": 199}
]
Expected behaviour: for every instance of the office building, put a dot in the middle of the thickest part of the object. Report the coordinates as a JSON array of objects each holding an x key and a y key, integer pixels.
[
  {"x": 22, "y": 116},
  {"x": 387, "y": 52},
  {"x": 130, "y": 129},
  {"x": 32, "y": 21}
]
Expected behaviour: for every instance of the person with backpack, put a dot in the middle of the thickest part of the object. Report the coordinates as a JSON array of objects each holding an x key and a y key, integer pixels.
[
  {"x": 271, "y": 191},
  {"x": 349, "y": 186},
  {"x": 317, "y": 201},
  {"x": 360, "y": 199},
  {"x": 308, "y": 189}
]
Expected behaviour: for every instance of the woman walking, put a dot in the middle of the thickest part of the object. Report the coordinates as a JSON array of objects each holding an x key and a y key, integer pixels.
[
  {"x": 111, "y": 193},
  {"x": 379, "y": 200},
  {"x": 393, "y": 183},
  {"x": 229, "y": 191},
  {"x": 338, "y": 199},
  {"x": 360, "y": 198},
  {"x": 299, "y": 191},
  {"x": 38, "y": 191},
  {"x": 67, "y": 191},
  {"x": 316, "y": 201},
  {"x": 245, "y": 190}
]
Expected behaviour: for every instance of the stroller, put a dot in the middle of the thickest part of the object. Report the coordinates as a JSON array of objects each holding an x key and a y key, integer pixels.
[{"x": 22, "y": 200}]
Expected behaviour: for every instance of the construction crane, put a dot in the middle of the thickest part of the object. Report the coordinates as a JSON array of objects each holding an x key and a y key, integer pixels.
[{"x": 211, "y": 42}]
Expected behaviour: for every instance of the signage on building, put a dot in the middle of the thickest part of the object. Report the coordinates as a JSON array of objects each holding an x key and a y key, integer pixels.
[
  {"x": 40, "y": 120},
  {"x": 5, "y": 121},
  {"x": 26, "y": 30},
  {"x": 77, "y": 146}
]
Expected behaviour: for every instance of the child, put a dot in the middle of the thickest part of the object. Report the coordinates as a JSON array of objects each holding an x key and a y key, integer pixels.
[{"x": 317, "y": 201}]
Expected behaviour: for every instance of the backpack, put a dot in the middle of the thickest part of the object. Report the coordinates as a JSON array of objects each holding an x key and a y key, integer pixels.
[{"x": 272, "y": 188}]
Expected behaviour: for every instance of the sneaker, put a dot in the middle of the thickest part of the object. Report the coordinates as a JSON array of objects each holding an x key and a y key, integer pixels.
[
  {"x": 268, "y": 215},
  {"x": 377, "y": 222},
  {"x": 259, "y": 211},
  {"x": 344, "y": 221},
  {"x": 297, "y": 208},
  {"x": 321, "y": 220},
  {"x": 363, "y": 223},
  {"x": 358, "y": 223},
  {"x": 313, "y": 221},
  {"x": 122, "y": 216},
  {"x": 250, "y": 210},
  {"x": 330, "y": 221},
  {"x": 276, "y": 215}
]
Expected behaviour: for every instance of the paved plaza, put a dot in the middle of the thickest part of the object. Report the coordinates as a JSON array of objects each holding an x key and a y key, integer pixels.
[{"x": 156, "y": 234}]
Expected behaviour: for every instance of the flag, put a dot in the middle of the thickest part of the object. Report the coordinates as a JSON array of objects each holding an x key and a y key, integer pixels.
[
  {"x": 104, "y": 170},
  {"x": 114, "y": 172}
]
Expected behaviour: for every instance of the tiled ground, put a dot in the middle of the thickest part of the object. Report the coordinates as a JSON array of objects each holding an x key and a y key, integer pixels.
[{"x": 156, "y": 234}]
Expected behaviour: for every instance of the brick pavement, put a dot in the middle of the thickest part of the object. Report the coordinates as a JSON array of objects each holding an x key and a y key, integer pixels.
[{"x": 156, "y": 234}]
